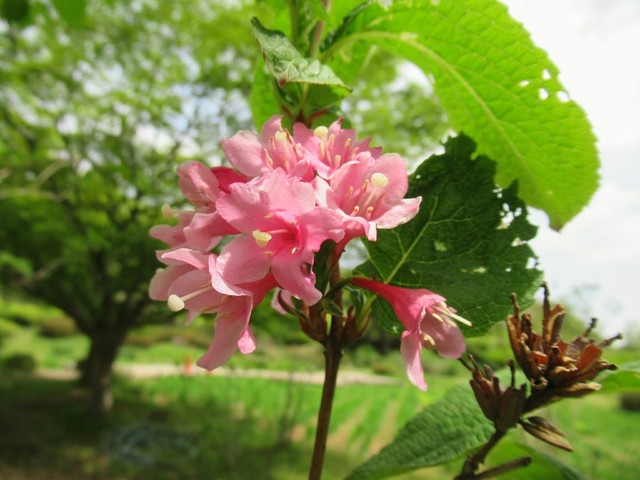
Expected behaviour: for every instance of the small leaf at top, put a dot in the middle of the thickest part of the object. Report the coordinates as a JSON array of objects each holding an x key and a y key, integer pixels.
[{"x": 287, "y": 65}]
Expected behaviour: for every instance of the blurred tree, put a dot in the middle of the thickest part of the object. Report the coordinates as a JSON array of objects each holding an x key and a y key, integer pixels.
[
  {"x": 99, "y": 101},
  {"x": 94, "y": 117}
]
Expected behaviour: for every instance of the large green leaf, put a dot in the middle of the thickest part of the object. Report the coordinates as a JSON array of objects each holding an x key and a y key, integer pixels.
[
  {"x": 450, "y": 428},
  {"x": 468, "y": 243},
  {"x": 542, "y": 467},
  {"x": 625, "y": 379},
  {"x": 496, "y": 86},
  {"x": 441, "y": 432}
]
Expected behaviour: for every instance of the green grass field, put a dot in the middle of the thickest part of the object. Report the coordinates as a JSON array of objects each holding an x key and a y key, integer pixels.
[{"x": 226, "y": 427}]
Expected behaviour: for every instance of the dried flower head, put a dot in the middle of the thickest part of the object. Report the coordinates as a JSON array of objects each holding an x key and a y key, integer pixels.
[
  {"x": 503, "y": 406},
  {"x": 554, "y": 367}
]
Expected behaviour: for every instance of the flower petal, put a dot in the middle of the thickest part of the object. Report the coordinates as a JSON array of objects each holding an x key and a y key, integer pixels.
[
  {"x": 242, "y": 261},
  {"x": 244, "y": 151},
  {"x": 411, "y": 348},
  {"x": 231, "y": 325}
]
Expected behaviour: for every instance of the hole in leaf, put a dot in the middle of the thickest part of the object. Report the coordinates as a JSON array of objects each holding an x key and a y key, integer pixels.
[
  {"x": 563, "y": 96},
  {"x": 523, "y": 83},
  {"x": 543, "y": 94},
  {"x": 440, "y": 247},
  {"x": 546, "y": 75}
]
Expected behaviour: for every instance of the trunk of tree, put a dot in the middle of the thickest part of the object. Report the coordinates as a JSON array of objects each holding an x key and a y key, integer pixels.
[{"x": 96, "y": 370}]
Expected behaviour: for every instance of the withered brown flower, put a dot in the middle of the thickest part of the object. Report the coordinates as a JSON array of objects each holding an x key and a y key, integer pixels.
[
  {"x": 503, "y": 406},
  {"x": 554, "y": 367}
]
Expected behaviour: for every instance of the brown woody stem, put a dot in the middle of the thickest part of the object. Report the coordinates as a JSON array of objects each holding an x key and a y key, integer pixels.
[
  {"x": 504, "y": 468},
  {"x": 474, "y": 461},
  {"x": 333, "y": 345},
  {"x": 333, "y": 355}
]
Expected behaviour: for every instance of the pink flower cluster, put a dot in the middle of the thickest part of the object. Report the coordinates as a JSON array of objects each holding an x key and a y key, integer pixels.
[{"x": 257, "y": 226}]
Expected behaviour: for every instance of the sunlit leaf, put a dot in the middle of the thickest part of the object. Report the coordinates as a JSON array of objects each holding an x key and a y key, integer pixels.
[{"x": 496, "y": 86}]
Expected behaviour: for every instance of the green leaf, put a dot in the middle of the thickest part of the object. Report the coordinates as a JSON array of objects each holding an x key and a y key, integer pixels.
[
  {"x": 287, "y": 65},
  {"x": 14, "y": 11},
  {"x": 262, "y": 100},
  {"x": 320, "y": 12},
  {"x": 496, "y": 86},
  {"x": 468, "y": 243},
  {"x": 71, "y": 11},
  {"x": 441, "y": 432},
  {"x": 542, "y": 467},
  {"x": 625, "y": 379}
]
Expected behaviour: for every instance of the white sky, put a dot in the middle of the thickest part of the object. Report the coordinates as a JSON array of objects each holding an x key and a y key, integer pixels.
[{"x": 595, "y": 45}]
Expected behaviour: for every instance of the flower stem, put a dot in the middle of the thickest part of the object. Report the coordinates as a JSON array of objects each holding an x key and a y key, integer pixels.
[
  {"x": 332, "y": 355},
  {"x": 473, "y": 462},
  {"x": 333, "y": 348}
]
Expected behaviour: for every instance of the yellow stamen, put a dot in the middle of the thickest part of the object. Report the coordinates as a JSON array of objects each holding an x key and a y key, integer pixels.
[
  {"x": 379, "y": 180},
  {"x": 175, "y": 303},
  {"x": 350, "y": 192},
  {"x": 320, "y": 131},
  {"x": 427, "y": 339},
  {"x": 167, "y": 211},
  {"x": 446, "y": 311},
  {"x": 268, "y": 158},
  {"x": 261, "y": 238},
  {"x": 369, "y": 212}
]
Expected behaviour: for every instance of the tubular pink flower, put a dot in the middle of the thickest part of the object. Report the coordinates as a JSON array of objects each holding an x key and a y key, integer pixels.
[
  {"x": 255, "y": 155},
  {"x": 282, "y": 229},
  {"x": 192, "y": 282},
  {"x": 198, "y": 184},
  {"x": 427, "y": 320},
  {"x": 204, "y": 228},
  {"x": 173, "y": 235},
  {"x": 232, "y": 322},
  {"x": 368, "y": 193},
  {"x": 332, "y": 147}
]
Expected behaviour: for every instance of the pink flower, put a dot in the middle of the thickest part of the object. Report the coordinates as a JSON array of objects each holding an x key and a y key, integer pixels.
[
  {"x": 369, "y": 195},
  {"x": 428, "y": 323},
  {"x": 192, "y": 282},
  {"x": 204, "y": 228},
  {"x": 255, "y": 155},
  {"x": 282, "y": 229},
  {"x": 198, "y": 184},
  {"x": 173, "y": 235},
  {"x": 332, "y": 147}
]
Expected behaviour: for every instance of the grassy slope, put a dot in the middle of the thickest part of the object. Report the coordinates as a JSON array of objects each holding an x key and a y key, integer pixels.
[{"x": 218, "y": 427}]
